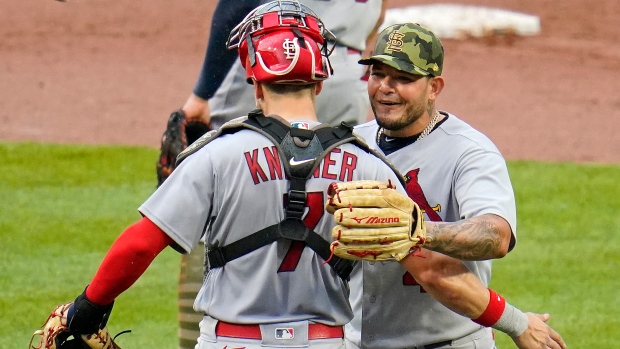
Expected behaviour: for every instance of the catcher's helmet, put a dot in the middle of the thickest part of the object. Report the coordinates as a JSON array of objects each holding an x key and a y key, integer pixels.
[{"x": 283, "y": 42}]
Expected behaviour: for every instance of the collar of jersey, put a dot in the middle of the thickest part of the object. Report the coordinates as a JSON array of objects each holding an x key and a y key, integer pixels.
[{"x": 395, "y": 144}]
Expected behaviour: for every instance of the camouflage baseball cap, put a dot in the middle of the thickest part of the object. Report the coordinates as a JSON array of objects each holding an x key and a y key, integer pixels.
[{"x": 408, "y": 47}]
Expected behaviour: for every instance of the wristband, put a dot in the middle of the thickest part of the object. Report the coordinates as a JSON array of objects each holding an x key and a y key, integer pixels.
[
  {"x": 494, "y": 310},
  {"x": 85, "y": 317},
  {"x": 503, "y": 316},
  {"x": 513, "y": 322}
]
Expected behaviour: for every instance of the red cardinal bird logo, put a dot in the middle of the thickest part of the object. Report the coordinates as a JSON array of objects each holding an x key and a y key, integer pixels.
[{"x": 416, "y": 194}]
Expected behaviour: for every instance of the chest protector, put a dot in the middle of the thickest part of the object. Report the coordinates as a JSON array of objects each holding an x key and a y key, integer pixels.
[{"x": 302, "y": 151}]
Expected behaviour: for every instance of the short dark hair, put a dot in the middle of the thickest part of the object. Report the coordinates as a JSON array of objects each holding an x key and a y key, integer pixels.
[{"x": 288, "y": 88}]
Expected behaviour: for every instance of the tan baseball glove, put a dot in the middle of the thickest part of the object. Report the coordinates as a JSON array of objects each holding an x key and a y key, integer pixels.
[
  {"x": 373, "y": 221},
  {"x": 55, "y": 335}
]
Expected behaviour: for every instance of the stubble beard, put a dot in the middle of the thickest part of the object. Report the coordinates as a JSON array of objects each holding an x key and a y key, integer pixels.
[{"x": 412, "y": 114}]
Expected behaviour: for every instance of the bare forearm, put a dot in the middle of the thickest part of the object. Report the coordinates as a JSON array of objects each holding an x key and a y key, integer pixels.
[
  {"x": 478, "y": 238},
  {"x": 449, "y": 281},
  {"x": 196, "y": 107}
]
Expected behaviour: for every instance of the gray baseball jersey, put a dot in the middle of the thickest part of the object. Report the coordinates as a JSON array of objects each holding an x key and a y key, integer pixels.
[
  {"x": 235, "y": 186},
  {"x": 344, "y": 96},
  {"x": 454, "y": 173},
  {"x": 351, "y": 21}
]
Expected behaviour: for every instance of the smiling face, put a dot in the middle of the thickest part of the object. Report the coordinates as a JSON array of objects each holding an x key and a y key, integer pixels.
[{"x": 401, "y": 102}]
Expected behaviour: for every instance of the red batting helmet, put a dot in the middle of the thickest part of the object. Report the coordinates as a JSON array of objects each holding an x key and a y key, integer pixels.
[{"x": 283, "y": 42}]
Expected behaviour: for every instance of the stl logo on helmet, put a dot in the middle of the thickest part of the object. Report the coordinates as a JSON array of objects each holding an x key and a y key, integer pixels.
[
  {"x": 290, "y": 49},
  {"x": 395, "y": 42}
]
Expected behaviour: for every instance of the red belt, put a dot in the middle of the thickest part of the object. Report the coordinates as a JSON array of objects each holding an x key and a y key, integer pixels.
[
  {"x": 353, "y": 51},
  {"x": 315, "y": 331}
]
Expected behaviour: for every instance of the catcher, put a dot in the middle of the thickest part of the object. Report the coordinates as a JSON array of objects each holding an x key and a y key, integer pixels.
[{"x": 245, "y": 189}]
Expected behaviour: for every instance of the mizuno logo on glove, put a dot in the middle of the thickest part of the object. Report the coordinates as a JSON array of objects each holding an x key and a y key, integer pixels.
[{"x": 376, "y": 220}]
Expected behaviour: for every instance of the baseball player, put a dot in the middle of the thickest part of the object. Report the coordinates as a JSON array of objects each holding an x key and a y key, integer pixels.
[
  {"x": 459, "y": 178},
  {"x": 222, "y": 82},
  {"x": 343, "y": 97},
  {"x": 284, "y": 160},
  {"x": 222, "y": 79},
  {"x": 255, "y": 191}
]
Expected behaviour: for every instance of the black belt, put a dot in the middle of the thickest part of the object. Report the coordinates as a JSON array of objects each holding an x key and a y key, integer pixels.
[
  {"x": 436, "y": 345},
  {"x": 470, "y": 337}
]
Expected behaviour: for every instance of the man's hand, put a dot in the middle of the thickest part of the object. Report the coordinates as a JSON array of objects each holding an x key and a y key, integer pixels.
[{"x": 539, "y": 335}]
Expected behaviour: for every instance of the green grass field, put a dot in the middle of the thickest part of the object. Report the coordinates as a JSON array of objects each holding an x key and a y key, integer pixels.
[{"x": 62, "y": 206}]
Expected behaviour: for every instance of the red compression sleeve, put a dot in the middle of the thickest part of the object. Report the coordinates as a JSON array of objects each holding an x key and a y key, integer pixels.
[
  {"x": 128, "y": 258},
  {"x": 494, "y": 310}
]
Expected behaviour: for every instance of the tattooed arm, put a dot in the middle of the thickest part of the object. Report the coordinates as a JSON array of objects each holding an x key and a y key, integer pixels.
[{"x": 478, "y": 238}]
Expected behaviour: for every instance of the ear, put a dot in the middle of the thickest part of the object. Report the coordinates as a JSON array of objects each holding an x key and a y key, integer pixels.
[
  {"x": 436, "y": 86},
  {"x": 259, "y": 94},
  {"x": 318, "y": 88}
]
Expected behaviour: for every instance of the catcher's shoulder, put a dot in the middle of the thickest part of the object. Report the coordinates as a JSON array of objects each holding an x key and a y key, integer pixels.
[
  {"x": 199, "y": 143},
  {"x": 234, "y": 122}
]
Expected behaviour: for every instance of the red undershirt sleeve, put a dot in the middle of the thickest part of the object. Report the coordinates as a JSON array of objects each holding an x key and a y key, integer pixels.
[{"x": 128, "y": 258}]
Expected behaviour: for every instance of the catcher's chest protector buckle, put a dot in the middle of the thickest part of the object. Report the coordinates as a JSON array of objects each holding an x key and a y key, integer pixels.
[{"x": 302, "y": 150}]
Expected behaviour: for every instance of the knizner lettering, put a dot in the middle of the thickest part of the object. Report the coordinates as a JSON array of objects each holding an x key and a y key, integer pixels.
[{"x": 264, "y": 165}]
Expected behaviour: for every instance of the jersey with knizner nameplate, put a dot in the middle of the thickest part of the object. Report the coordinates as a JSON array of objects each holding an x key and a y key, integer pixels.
[
  {"x": 454, "y": 173},
  {"x": 237, "y": 185}
]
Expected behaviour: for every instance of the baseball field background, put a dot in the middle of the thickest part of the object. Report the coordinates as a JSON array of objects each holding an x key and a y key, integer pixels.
[{"x": 87, "y": 87}]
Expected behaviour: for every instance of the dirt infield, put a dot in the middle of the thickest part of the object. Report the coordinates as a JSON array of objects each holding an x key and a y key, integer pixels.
[{"x": 94, "y": 71}]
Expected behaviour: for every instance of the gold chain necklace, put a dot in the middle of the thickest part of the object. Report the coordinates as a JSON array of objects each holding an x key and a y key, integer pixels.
[{"x": 422, "y": 135}]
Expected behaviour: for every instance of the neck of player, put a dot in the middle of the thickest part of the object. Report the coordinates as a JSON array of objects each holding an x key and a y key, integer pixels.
[{"x": 289, "y": 105}]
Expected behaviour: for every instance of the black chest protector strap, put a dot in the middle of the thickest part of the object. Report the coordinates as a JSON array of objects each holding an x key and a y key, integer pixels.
[{"x": 301, "y": 151}]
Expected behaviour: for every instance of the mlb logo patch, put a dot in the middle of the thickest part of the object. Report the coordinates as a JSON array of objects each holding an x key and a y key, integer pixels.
[
  {"x": 285, "y": 333},
  {"x": 303, "y": 125}
]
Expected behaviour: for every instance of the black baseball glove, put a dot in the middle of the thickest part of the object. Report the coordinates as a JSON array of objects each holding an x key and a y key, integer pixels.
[{"x": 180, "y": 132}]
